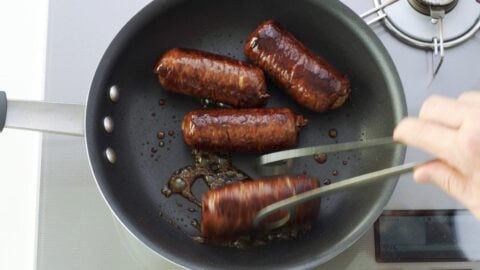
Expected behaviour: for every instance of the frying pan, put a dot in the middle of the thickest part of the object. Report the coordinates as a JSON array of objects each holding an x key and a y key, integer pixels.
[{"x": 123, "y": 116}]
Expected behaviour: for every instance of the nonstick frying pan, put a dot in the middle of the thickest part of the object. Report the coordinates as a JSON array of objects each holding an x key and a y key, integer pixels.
[{"x": 127, "y": 107}]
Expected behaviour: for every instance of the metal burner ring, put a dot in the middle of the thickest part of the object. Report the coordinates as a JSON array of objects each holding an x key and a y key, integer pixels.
[
  {"x": 423, "y": 6},
  {"x": 421, "y": 43}
]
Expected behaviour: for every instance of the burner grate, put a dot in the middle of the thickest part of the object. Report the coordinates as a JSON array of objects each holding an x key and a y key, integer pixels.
[{"x": 433, "y": 25}]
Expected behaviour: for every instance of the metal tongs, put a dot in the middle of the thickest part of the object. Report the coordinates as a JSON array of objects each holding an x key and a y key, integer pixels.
[{"x": 290, "y": 204}]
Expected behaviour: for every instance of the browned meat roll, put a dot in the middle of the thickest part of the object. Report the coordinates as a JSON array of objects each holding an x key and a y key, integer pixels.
[
  {"x": 229, "y": 211},
  {"x": 242, "y": 130},
  {"x": 306, "y": 77},
  {"x": 205, "y": 75}
]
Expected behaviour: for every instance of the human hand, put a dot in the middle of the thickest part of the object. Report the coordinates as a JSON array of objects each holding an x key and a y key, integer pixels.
[{"x": 450, "y": 130}]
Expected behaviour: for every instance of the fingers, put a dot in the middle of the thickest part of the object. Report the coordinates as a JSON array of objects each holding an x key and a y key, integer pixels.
[
  {"x": 450, "y": 112},
  {"x": 471, "y": 97},
  {"x": 469, "y": 141},
  {"x": 444, "y": 176},
  {"x": 449, "y": 129},
  {"x": 445, "y": 111},
  {"x": 433, "y": 138}
]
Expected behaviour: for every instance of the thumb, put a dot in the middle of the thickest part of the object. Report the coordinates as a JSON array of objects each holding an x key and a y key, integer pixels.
[{"x": 444, "y": 176}]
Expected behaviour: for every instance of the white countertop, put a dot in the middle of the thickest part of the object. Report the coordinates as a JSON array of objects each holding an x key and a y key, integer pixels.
[{"x": 23, "y": 32}]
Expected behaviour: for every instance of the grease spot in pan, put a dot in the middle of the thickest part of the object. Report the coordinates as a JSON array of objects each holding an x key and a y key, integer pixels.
[
  {"x": 321, "y": 158},
  {"x": 198, "y": 239},
  {"x": 195, "y": 224},
  {"x": 332, "y": 133},
  {"x": 214, "y": 169},
  {"x": 166, "y": 191}
]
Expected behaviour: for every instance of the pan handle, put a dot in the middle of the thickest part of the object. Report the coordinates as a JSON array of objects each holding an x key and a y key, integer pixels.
[{"x": 42, "y": 116}]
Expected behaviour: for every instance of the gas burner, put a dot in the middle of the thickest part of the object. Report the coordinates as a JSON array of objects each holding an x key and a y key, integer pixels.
[
  {"x": 423, "y": 6},
  {"x": 461, "y": 22},
  {"x": 420, "y": 23}
]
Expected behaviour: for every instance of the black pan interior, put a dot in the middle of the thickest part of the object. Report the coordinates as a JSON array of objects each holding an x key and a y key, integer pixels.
[{"x": 132, "y": 185}]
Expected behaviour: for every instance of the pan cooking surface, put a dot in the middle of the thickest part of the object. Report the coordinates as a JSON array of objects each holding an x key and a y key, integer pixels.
[{"x": 146, "y": 158}]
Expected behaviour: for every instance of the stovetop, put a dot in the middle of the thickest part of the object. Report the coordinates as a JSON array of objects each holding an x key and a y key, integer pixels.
[{"x": 75, "y": 227}]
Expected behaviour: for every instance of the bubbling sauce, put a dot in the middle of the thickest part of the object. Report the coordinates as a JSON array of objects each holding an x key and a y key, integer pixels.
[{"x": 216, "y": 170}]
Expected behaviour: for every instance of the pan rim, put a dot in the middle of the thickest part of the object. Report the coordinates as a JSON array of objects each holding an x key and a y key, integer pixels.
[{"x": 349, "y": 18}]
